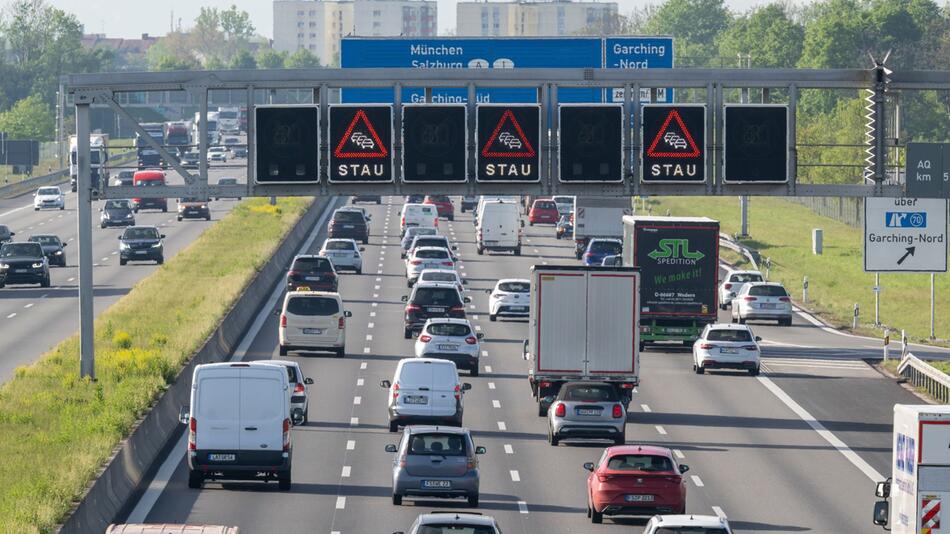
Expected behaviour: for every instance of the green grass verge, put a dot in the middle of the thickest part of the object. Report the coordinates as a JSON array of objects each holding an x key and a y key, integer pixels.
[
  {"x": 836, "y": 279},
  {"x": 56, "y": 430}
]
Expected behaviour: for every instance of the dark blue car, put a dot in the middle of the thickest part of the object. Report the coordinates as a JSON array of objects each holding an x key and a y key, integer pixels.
[{"x": 599, "y": 248}]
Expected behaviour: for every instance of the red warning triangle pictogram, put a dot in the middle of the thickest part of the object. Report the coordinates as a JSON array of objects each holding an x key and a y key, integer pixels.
[
  {"x": 675, "y": 145},
  {"x": 512, "y": 142},
  {"x": 360, "y": 140}
]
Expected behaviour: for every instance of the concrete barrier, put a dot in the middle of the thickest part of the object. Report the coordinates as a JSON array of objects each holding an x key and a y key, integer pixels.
[{"x": 112, "y": 495}]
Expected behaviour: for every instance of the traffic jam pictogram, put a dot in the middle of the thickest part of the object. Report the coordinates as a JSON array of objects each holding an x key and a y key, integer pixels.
[
  {"x": 507, "y": 137},
  {"x": 361, "y": 137},
  {"x": 676, "y": 149}
]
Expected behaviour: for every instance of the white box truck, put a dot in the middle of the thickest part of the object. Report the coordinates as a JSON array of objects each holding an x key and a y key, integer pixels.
[
  {"x": 920, "y": 472},
  {"x": 598, "y": 217},
  {"x": 98, "y": 161},
  {"x": 583, "y": 325}
]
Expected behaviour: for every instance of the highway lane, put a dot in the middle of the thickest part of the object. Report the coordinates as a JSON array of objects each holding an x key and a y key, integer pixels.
[
  {"x": 26, "y": 310},
  {"x": 751, "y": 454}
]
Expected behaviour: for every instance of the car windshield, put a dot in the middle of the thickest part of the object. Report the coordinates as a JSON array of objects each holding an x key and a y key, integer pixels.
[
  {"x": 437, "y": 296},
  {"x": 514, "y": 287},
  {"x": 141, "y": 233},
  {"x": 338, "y": 245},
  {"x": 449, "y": 329},
  {"x": 454, "y": 528},
  {"x": 745, "y": 277},
  {"x": 4, "y": 230},
  {"x": 348, "y": 217},
  {"x": 12, "y": 250},
  {"x": 126, "y": 174},
  {"x": 589, "y": 393},
  {"x": 227, "y": 114},
  {"x": 311, "y": 305},
  {"x": 691, "y": 530},
  {"x": 768, "y": 291},
  {"x": 609, "y": 247},
  {"x": 440, "y": 444},
  {"x": 564, "y": 200},
  {"x": 117, "y": 205},
  {"x": 545, "y": 205},
  {"x": 728, "y": 334},
  {"x": 48, "y": 191},
  {"x": 439, "y": 277},
  {"x": 45, "y": 239},
  {"x": 432, "y": 254},
  {"x": 150, "y": 182},
  {"x": 312, "y": 265},
  {"x": 639, "y": 462}
]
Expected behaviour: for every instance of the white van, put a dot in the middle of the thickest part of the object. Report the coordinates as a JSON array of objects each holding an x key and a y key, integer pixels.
[
  {"x": 311, "y": 321},
  {"x": 490, "y": 198},
  {"x": 499, "y": 228},
  {"x": 425, "y": 390},
  {"x": 418, "y": 215},
  {"x": 239, "y": 423}
]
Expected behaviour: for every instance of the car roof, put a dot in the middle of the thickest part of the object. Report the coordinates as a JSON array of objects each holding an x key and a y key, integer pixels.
[
  {"x": 347, "y": 239},
  {"x": 614, "y": 239},
  {"x": 436, "y": 284},
  {"x": 757, "y": 284},
  {"x": 639, "y": 449},
  {"x": 425, "y": 429},
  {"x": 421, "y": 249},
  {"x": 452, "y": 271},
  {"x": 148, "y": 175},
  {"x": 448, "y": 320},
  {"x": 431, "y": 236},
  {"x": 682, "y": 520},
  {"x": 331, "y": 294},
  {"x": 43, "y": 235},
  {"x": 285, "y": 363},
  {"x": 728, "y": 326},
  {"x": 744, "y": 271},
  {"x": 310, "y": 256},
  {"x": 457, "y": 518},
  {"x": 141, "y": 226},
  {"x": 522, "y": 280},
  {"x": 413, "y": 361}
]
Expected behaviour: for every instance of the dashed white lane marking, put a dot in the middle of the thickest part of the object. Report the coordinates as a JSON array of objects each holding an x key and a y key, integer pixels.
[
  {"x": 369, "y": 337},
  {"x": 698, "y": 481},
  {"x": 661, "y": 430},
  {"x": 350, "y": 445},
  {"x": 646, "y": 408},
  {"x": 370, "y": 325},
  {"x": 495, "y": 403},
  {"x": 372, "y": 314},
  {"x": 471, "y": 306},
  {"x": 363, "y": 365},
  {"x": 502, "y": 425},
  {"x": 475, "y": 317},
  {"x": 515, "y": 476},
  {"x": 375, "y": 295},
  {"x": 522, "y": 507},
  {"x": 71, "y": 279},
  {"x": 535, "y": 250},
  {"x": 487, "y": 368},
  {"x": 379, "y": 271},
  {"x": 340, "y": 503},
  {"x": 105, "y": 259},
  {"x": 354, "y": 421},
  {"x": 544, "y": 263},
  {"x": 509, "y": 449},
  {"x": 679, "y": 454},
  {"x": 478, "y": 328},
  {"x": 376, "y": 287},
  {"x": 357, "y": 400},
  {"x": 346, "y": 472},
  {"x": 114, "y": 252},
  {"x": 366, "y": 350},
  {"x": 30, "y": 305},
  {"x": 375, "y": 304},
  {"x": 44, "y": 295},
  {"x": 484, "y": 353},
  {"x": 718, "y": 511},
  {"x": 70, "y": 239},
  {"x": 11, "y": 316},
  {"x": 491, "y": 385},
  {"x": 379, "y": 279},
  {"x": 359, "y": 382}
]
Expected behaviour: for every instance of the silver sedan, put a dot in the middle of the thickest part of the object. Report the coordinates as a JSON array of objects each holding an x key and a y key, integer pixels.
[{"x": 587, "y": 410}]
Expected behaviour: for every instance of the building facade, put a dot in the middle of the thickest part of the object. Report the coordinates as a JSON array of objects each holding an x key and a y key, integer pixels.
[{"x": 535, "y": 19}]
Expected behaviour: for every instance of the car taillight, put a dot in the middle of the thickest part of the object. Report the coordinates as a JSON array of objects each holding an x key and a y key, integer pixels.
[
  {"x": 425, "y": 338},
  {"x": 588, "y": 254},
  {"x": 298, "y": 388},
  {"x": 403, "y": 221},
  {"x": 471, "y": 340},
  {"x": 415, "y": 262},
  {"x": 447, "y": 263},
  {"x": 560, "y": 410},
  {"x": 292, "y": 274},
  {"x": 785, "y": 299},
  {"x": 749, "y": 299},
  {"x": 472, "y": 462},
  {"x": 283, "y": 321},
  {"x": 458, "y": 392},
  {"x": 192, "y": 434},
  {"x": 341, "y": 324},
  {"x": 286, "y": 435},
  {"x": 457, "y": 309},
  {"x": 604, "y": 478},
  {"x": 707, "y": 346},
  {"x": 728, "y": 286},
  {"x": 395, "y": 391},
  {"x": 413, "y": 307},
  {"x": 618, "y": 411},
  {"x": 402, "y": 461},
  {"x": 437, "y": 223},
  {"x": 645, "y": 329},
  {"x": 545, "y": 384},
  {"x": 627, "y": 385},
  {"x": 479, "y": 234}
]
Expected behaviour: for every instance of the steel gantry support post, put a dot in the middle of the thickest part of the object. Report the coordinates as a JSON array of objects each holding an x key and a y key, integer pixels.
[{"x": 87, "y": 358}]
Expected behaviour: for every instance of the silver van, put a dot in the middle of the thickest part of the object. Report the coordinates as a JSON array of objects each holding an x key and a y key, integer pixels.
[{"x": 425, "y": 390}]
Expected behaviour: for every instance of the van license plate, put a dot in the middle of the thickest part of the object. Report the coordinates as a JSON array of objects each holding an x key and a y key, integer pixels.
[
  {"x": 221, "y": 457},
  {"x": 417, "y": 399},
  {"x": 638, "y": 498},
  {"x": 441, "y": 484},
  {"x": 313, "y": 331}
]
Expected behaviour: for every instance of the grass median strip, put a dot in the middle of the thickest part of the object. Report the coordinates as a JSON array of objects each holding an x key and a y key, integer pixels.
[{"x": 56, "y": 430}]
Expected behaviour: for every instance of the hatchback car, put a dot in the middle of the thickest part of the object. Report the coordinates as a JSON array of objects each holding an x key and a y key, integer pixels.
[
  {"x": 635, "y": 480},
  {"x": 587, "y": 410},
  {"x": 432, "y": 300},
  {"x": 443, "y": 205},
  {"x": 565, "y": 226},
  {"x": 52, "y": 247},
  {"x": 565, "y": 204},
  {"x": 727, "y": 346},
  {"x": 432, "y": 241},
  {"x": 116, "y": 212},
  {"x": 733, "y": 283},
  {"x": 312, "y": 321},
  {"x": 427, "y": 258},
  {"x": 433, "y": 461},
  {"x": 349, "y": 223},
  {"x": 599, "y": 247},
  {"x": 298, "y": 386},
  {"x": 543, "y": 211},
  {"x": 49, "y": 197},
  {"x": 468, "y": 203},
  {"x": 23, "y": 263},
  {"x": 411, "y": 234},
  {"x": 452, "y": 523},
  {"x": 312, "y": 272},
  {"x": 217, "y": 153},
  {"x": 227, "y": 180},
  {"x": 141, "y": 243},
  {"x": 450, "y": 339},
  {"x": 425, "y": 390},
  {"x": 343, "y": 254},
  {"x": 510, "y": 298},
  {"x": 687, "y": 524},
  {"x": 762, "y": 301},
  {"x": 193, "y": 208},
  {"x": 443, "y": 275}
]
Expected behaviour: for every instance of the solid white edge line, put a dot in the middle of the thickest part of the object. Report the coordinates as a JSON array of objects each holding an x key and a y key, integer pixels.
[
  {"x": 160, "y": 481},
  {"x": 852, "y": 457}
]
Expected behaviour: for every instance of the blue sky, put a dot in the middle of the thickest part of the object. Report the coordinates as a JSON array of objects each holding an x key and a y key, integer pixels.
[{"x": 128, "y": 18}]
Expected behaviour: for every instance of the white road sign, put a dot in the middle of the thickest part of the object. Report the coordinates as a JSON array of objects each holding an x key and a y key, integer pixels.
[{"x": 905, "y": 235}]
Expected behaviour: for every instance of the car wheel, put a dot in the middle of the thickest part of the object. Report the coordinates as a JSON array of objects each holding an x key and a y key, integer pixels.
[
  {"x": 754, "y": 371},
  {"x": 179, "y": 218},
  {"x": 492, "y": 317},
  {"x": 36, "y": 209},
  {"x": 722, "y": 306},
  {"x": 45, "y": 282},
  {"x": 160, "y": 260},
  {"x": 165, "y": 209},
  {"x": 643, "y": 346},
  {"x": 541, "y": 410},
  {"x": 479, "y": 250},
  {"x": 102, "y": 225},
  {"x": 473, "y": 371},
  {"x": 283, "y": 481},
  {"x": 306, "y": 415},
  {"x": 282, "y": 350},
  {"x": 742, "y": 320},
  {"x": 208, "y": 218},
  {"x": 699, "y": 369},
  {"x": 786, "y": 322},
  {"x": 195, "y": 479},
  {"x": 595, "y": 516},
  {"x": 394, "y": 426},
  {"x": 340, "y": 352},
  {"x": 621, "y": 439},
  {"x": 408, "y": 333},
  {"x": 397, "y": 499},
  {"x": 552, "y": 438},
  {"x": 473, "y": 501},
  {"x": 122, "y": 261},
  {"x": 366, "y": 240},
  {"x": 518, "y": 251},
  {"x": 378, "y": 202}
]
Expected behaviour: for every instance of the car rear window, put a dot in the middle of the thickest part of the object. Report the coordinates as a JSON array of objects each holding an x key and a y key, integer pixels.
[
  {"x": 150, "y": 182},
  {"x": 339, "y": 245},
  {"x": 454, "y": 528},
  {"x": 436, "y": 296},
  {"x": 728, "y": 334},
  {"x": 768, "y": 291},
  {"x": 514, "y": 287},
  {"x": 449, "y": 329},
  {"x": 545, "y": 205},
  {"x": 311, "y": 305},
  {"x": 589, "y": 393},
  {"x": 746, "y": 277},
  {"x": 563, "y": 200},
  {"x": 639, "y": 462},
  {"x": 437, "y": 443},
  {"x": 610, "y": 247},
  {"x": 432, "y": 254},
  {"x": 432, "y": 242},
  {"x": 348, "y": 216},
  {"x": 312, "y": 265},
  {"x": 439, "y": 198},
  {"x": 438, "y": 277}
]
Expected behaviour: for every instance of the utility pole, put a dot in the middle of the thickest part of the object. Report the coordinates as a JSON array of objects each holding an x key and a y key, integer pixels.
[{"x": 87, "y": 358}]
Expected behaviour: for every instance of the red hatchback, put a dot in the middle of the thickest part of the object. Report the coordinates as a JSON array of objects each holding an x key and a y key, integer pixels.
[
  {"x": 543, "y": 212},
  {"x": 635, "y": 480},
  {"x": 443, "y": 205}
]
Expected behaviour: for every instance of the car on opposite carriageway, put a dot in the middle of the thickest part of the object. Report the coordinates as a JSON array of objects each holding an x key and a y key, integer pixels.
[
  {"x": 49, "y": 197},
  {"x": 193, "y": 208},
  {"x": 116, "y": 212},
  {"x": 141, "y": 243}
]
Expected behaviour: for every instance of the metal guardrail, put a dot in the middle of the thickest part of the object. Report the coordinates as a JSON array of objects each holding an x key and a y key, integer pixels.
[
  {"x": 53, "y": 178},
  {"x": 922, "y": 375},
  {"x": 727, "y": 241}
]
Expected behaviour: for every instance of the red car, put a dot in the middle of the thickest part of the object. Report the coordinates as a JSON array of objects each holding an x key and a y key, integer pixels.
[
  {"x": 543, "y": 212},
  {"x": 443, "y": 205},
  {"x": 635, "y": 480}
]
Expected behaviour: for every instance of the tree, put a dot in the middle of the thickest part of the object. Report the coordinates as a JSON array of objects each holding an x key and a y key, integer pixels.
[
  {"x": 175, "y": 51},
  {"x": 174, "y": 63},
  {"x": 695, "y": 25},
  {"x": 302, "y": 59},
  {"x": 836, "y": 36},
  {"x": 268, "y": 58},
  {"x": 243, "y": 60},
  {"x": 30, "y": 118},
  {"x": 236, "y": 24},
  {"x": 767, "y": 35}
]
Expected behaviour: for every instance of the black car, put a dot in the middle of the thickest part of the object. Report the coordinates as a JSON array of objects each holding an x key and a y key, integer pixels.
[
  {"x": 313, "y": 272},
  {"x": 123, "y": 178},
  {"x": 469, "y": 203},
  {"x": 23, "y": 263},
  {"x": 349, "y": 224},
  {"x": 116, "y": 212},
  {"x": 5, "y": 234},
  {"x": 193, "y": 208},
  {"x": 52, "y": 247},
  {"x": 431, "y": 300},
  {"x": 227, "y": 180},
  {"x": 367, "y": 198},
  {"x": 141, "y": 243}
]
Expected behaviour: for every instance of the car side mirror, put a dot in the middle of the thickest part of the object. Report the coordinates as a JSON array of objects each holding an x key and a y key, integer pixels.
[
  {"x": 362, "y": 249},
  {"x": 883, "y": 490},
  {"x": 308, "y": 381},
  {"x": 732, "y": 295},
  {"x": 757, "y": 338},
  {"x": 296, "y": 416},
  {"x": 391, "y": 448},
  {"x": 683, "y": 468},
  {"x": 467, "y": 300},
  {"x": 405, "y": 298},
  {"x": 480, "y": 335},
  {"x": 65, "y": 244},
  {"x": 385, "y": 384},
  {"x": 117, "y": 237},
  {"x": 466, "y": 386},
  {"x": 881, "y": 513},
  {"x": 455, "y": 247},
  {"x": 184, "y": 415},
  {"x": 480, "y": 450},
  {"x": 589, "y": 466},
  {"x": 162, "y": 236},
  {"x": 488, "y": 291},
  {"x": 12, "y": 233}
]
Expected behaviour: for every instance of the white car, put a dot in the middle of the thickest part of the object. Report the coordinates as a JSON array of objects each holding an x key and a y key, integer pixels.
[
  {"x": 450, "y": 339},
  {"x": 217, "y": 153},
  {"x": 687, "y": 524},
  {"x": 411, "y": 234},
  {"x": 343, "y": 254},
  {"x": 311, "y": 321},
  {"x": 442, "y": 275},
  {"x": 432, "y": 241},
  {"x": 733, "y": 282},
  {"x": 48, "y": 197},
  {"x": 427, "y": 258},
  {"x": 727, "y": 346},
  {"x": 762, "y": 300},
  {"x": 565, "y": 204},
  {"x": 299, "y": 387},
  {"x": 510, "y": 298}
]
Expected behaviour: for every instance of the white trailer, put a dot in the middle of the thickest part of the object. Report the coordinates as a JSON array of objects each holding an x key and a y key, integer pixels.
[
  {"x": 920, "y": 472},
  {"x": 583, "y": 325},
  {"x": 598, "y": 217},
  {"x": 98, "y": 160}
]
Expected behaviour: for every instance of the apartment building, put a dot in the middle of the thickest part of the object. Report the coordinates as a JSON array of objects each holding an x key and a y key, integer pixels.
[{"x": 534, "y": 19}]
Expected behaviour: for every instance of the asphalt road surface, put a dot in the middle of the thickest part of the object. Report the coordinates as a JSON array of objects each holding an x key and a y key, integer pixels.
[{"x": 797, "y": 449}]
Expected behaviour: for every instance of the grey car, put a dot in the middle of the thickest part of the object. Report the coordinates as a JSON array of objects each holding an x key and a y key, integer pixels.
[
  {"x": 587, "y": 410},
  {"x": 453, "y": 522},
  {"x": 435, "y": 461}
]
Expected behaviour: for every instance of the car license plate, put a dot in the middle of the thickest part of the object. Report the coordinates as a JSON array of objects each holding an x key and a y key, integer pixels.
[
  {"x": 587, "y": 411},
  {"x": 314, "y": 331},
  {"x": 518, "y": 308},
  {"x": 638, "y": 498},
  {"x": 221, "y": 457},
  {"x": 767, "y": 306},
  {"x": 491, "y": 242},
  {"x": 19, "y": 270},
  {"x": 448, "y": 347},
  {"x": 441, "y": 484},
  {"x": 313, "y": 278},
  {"x": 417, "y": 399},
  {"x": 728, "y": 351},
  {"x": 348, "y": 226},
  {"x": 434, "y": 309},
  {"x": 141, "y": 252}
]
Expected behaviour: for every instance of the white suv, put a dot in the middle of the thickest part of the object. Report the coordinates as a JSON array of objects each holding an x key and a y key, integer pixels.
[
  {"x": 727, "y": 346},
  {"x": 671, "y": 524},
  {"x": 733, "y": 282},
  {"x": 510, "y": 298},
  {"x": 762, "y": 300},
  {"x": 313, "y": 320}
]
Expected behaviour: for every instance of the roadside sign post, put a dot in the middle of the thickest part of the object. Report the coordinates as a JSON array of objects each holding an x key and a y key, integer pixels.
[
  {"x": 768, "y": 267},
  {"x": 905, "y": 235},
  {"x": 933, "y": 306},
  {"x": 903, "y": 343},
  {"x": 887, "y": 341},
  {"x": 877, "y": 299},
  {"x": 805, "y": 289},
  {"x": 854, "y": 322},
  {"x": 87, "y": 357}
]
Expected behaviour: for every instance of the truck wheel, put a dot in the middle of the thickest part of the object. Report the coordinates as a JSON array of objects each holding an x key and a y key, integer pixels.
[
  {"x": 541, "y": 411},
  {"x": 643, "y": 346},
  {"x": 283, "y": 481},
  {"x": 195, "y": 479},
  {"x": 282, "y": 350}
]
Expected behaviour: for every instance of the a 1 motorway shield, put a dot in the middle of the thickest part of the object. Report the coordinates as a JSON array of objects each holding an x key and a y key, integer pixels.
[
  {"x": 905, "y": 235},
  {"x": 674, "y": 143},
  {"x": 361, "y": 140},
  {"x": 508, "y": 143}
]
